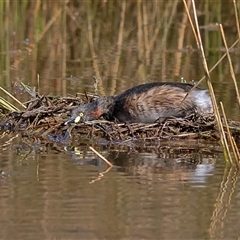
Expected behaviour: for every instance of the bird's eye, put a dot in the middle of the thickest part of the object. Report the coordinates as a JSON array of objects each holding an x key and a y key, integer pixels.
[{"x": 79, "y": 117}]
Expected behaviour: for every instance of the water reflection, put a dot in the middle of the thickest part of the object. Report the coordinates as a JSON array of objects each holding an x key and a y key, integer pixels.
[{"x": 67, "y": 193}]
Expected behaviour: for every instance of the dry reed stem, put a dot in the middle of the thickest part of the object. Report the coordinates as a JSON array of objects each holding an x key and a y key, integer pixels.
[
  {"x": 216, "y": 64},
  {"x": 155, "y": 28},
  {"x": 211, "y": 91},
  {"x": 120, "y": 39},
  {"x": 63, "y": 49},
  {"x": 167, "y": 17},
  {"x": 49, "y": 24},
  {"x": 101, "y": 156},
  {"x": 7, "y": 40},
  {"x": 146, "y": 37},
  {"x": 199, "y": 42},
  {"x": 229, "y": 134},
  {"x": 154, "y": 38},
  {"x": 140, "y": 32},
  {"x": 36, "y": 8},
  {"x": 168, "y": 21},
  {"x": 11, "y": 96},
  {"x": 71, "y": 15},
  {"x": 230, "y": 64},
  {"x": 38, "y": 84},
  {"x": 196, "y": 38},
  {"x": 236, "y": 17},
  {"x": 236, "y": 148},
  {"x": 164, "y": 23},
  {"x": 10, "y": 107},
  {"x": 90, "y": 40},
  {"x": 181, "y": 31},
  {"x": 220, "y": 125}
]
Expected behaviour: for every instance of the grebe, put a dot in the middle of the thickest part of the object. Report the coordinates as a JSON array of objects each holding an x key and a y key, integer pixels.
[{"x": 146, "y": 103}]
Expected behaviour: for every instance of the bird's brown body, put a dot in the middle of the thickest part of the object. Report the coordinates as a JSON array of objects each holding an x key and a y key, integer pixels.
[{"x": 147, "y": 103}]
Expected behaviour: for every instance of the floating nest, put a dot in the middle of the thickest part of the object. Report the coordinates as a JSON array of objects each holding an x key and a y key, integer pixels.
[{"x": 45, "y": 116}]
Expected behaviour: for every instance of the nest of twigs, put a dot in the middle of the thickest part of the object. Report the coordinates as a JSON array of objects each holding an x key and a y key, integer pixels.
[{"x": 45, "y": 117}]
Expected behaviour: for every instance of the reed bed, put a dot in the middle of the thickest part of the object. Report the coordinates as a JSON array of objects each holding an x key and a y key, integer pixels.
[{"x": 113, "y": 38}]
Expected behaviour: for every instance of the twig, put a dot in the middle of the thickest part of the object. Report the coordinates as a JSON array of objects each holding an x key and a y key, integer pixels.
[{"x": 99, "y": 155}]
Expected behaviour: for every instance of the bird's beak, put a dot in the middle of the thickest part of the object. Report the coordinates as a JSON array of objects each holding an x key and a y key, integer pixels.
[
  {"x": 70, "y": 120},
  {"x": 74, "y": 120}
]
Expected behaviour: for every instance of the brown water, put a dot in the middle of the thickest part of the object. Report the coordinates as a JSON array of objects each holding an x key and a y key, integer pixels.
[
  {"x": 57, "y": 192},
  {"x": 176, "y": 189}
]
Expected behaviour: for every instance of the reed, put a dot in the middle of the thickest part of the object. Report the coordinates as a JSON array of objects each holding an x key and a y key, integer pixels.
[
  {"x": 146, "y": 33},
  {"x": 197, "y": 36},
  {"x": 230, "y": 138},
  {"x": 166, "y": 22},
  {"x": 12, "y": 97},
  {"x": 182, "y": 35},
  {"x": 49, "y": 24},
  {"x": 230, "y": 63},
  {"x": 91, "y": 38},
  {"x": 120, "y": 40},
  {"x": 140, "y": 30},
  {"x": 7, "y": 105},
  {"x": 236, "y": 18},
  {"x": 219, "y": 61}
]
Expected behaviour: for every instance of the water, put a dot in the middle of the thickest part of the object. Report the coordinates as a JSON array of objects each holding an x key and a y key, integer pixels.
[
  {"x": 176, "y": 189},
  {"x": 64, "y": 193}
]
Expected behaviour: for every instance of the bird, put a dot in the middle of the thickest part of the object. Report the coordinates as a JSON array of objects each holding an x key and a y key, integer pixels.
[{"x": 146, "y": 103}]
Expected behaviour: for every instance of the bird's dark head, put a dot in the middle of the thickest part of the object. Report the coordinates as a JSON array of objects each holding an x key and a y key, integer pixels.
[{"x": 91, "y": 111}]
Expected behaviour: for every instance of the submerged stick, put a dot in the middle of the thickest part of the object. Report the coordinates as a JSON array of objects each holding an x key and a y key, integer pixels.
[{"x": 101, "y": 156}]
